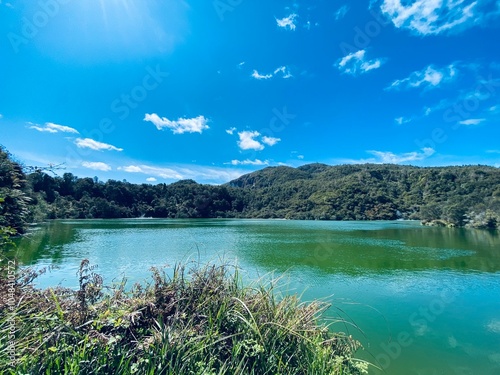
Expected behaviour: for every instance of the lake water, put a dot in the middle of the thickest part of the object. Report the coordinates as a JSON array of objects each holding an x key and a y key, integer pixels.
[{"x": 422, "y": 300}]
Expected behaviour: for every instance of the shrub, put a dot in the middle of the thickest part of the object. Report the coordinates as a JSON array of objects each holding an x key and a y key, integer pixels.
[{"x": 197, "y": 321}]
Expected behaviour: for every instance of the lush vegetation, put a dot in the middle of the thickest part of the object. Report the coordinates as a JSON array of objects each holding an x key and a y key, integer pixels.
[
  {"x": 468, "y": 195},
  {"x": 458, "y": 196},
  {"x": 14, "y": 200},
  {"x": 201, "y": 321}
]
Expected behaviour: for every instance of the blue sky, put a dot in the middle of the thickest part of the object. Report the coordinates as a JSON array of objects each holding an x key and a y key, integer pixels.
[{"x": 157, "y": 91}]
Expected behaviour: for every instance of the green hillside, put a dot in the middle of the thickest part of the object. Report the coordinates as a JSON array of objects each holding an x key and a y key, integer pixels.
[{"x": 455, "y": 196}]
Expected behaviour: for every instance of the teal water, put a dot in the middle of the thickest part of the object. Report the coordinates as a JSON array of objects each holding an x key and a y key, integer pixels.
[{"x": 421, "y": 300}]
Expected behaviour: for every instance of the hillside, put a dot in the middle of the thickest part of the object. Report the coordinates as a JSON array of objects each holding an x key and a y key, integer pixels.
[
  {"x": 460, "y": 196},
  {"x": 374, "y": 192}
]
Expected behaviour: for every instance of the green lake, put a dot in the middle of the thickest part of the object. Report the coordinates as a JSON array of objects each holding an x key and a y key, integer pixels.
[{"x": 422, "y": 300}]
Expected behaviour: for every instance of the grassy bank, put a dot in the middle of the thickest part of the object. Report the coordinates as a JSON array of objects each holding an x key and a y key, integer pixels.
[{"x": 201, "y": 320}]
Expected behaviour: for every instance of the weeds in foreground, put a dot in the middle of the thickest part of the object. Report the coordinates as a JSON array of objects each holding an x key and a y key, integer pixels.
[{"x": 198, "y": 321}]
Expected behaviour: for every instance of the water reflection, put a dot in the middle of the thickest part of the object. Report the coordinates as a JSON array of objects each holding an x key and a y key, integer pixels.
[
  {"x": 376, "y": 251},
  {"x": 379, "y": 273},
  {"x": 327, "y": 247},
  {"x": 45, "y": 243}
]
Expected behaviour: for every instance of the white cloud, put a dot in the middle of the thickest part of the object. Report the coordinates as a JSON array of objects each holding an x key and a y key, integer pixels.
[
  {"x": 356, "y": 62},
  {"x": 341, "y": 12},
  {"x": 494, "y": 109},
  {"x": 200, "y": 174},
  {"x": 284, "y": 70},
  {"x": 391, "y": 158},
  {"x": 402, "y": 120},
  {"x": 301, "y": 157},
  {"x": 287, "y": 22},
  {"x": 98, "y": 166},
  {"x": 249, "y": 162},
  {"x": 95, "y": 145},
  {"x": 432, "y": 17},
  {"x": 166, "y": 173},
  {"x": 231, "y": 131},
  {"x": 257, "y": 75},
  {"x": 429, "y": 77},
  {"x": 180, "y": 126},
  {"x": 472, "y": 121},
  {"x": 1, "y": 116},
  {"x": 247, "y": 141},
  {"x": 131, "y": 169},
  {"x": 270, "y": 141},
  {"x": 50, "y": 127},
  {"x": 241, "y": 64}
]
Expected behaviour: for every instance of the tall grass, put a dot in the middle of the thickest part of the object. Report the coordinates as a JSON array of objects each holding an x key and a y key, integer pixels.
[{"x": 200, "y": 320}]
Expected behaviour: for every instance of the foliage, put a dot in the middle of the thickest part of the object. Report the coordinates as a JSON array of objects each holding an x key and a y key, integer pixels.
[
  {"x": 14, "y": 202},
  {"x": 455, "y": 196},
  {"x": 6, "y": 234},
  {"x": 200, "y": 321}
]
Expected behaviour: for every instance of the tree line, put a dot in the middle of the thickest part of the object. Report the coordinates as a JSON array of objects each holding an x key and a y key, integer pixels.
[{"x": 455, "y": 196}]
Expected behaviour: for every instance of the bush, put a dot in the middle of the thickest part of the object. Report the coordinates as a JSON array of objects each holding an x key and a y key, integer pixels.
[{"x": 201, "y": 321}]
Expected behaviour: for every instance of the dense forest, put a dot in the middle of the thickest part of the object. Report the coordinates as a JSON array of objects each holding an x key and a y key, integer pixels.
[{"x": 455, "y": 196}]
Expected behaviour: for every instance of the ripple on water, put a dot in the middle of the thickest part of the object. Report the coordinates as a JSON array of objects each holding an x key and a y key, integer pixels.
[{"x": 494, "y": 326}]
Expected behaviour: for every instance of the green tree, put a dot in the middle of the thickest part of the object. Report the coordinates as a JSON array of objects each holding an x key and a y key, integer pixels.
[{"x": 14, "y": 206}]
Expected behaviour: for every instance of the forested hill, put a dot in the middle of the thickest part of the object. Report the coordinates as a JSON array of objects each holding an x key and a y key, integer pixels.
[
  {"x": 455, "y": 195},
  {"x": 468, "y": 195}
]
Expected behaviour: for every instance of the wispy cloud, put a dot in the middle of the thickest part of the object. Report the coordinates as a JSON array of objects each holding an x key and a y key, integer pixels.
[
  {"x": 50, "y": 127},
  {"x": 180, "y": 126},
  {"x": 98, "y": 166},
  {"x": 402, "y": 120},
  {"x": 477, "y": 91},
  {"x": 341, "y": 12},
  {"x": 284, "y": 70},
  {"x": 131, "y": 169},
  {"x": 249, "y": 162},
  {"x": 432, "y": 17},
  {"x": 166, "y": 173},
  {"x": 270, "y": 141},
  {"x": 231, "y": 131},
  {"x": 357, "y": 63},
  {"x": 247, "y": 141},
  {"x": 95, "y": 145},
  {"x": 1, "y": 116},
  {"x": 492, "y": 109},
  {"x": 287, "y": 23},
  {"x": 181, "y": 172},
  {"x": 430, "y": 77},
  {"x": 392, "y": 158},
  {"x": 257, "y": 75},
  {"x": 472, "y": 121}
]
